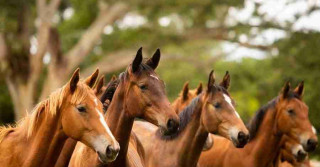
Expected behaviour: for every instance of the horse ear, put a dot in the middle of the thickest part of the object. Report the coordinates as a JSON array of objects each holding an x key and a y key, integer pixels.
[
  {"x": 300, "y": 89},
  {"x": 114, "y": 77},
  {"x": 74, "y": 80},
  {"x": 185, "y": 91},
  {"x": 154, "y": 60},
  {"x": 211, "y": 81},
  {"x": 199, "y": 88},
  {"x": 226, "y": 81},
  {"x": 91, "y": 80},
  {"x": 285, "y": 90},
  {"x": 99, "y": 85},
  {"x": 137, "y": 61}
]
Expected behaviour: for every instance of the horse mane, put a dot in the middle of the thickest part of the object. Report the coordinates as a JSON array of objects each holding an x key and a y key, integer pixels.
[
  {"x": 50, "y": 107},
  {"x": 113, "y": 85},
  {"x": 110, "y": 90},
  {"x": 254, "y": 124},
  {"x": 185, "y": 117}
]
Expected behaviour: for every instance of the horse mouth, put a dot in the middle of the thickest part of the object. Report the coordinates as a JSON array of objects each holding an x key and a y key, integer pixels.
[{"x": 105, "y": 159}]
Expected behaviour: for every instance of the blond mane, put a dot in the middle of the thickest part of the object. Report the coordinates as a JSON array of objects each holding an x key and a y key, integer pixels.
[{"x": 50, "y": 107}]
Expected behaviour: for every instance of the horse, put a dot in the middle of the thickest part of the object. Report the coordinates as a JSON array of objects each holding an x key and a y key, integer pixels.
[
  {"x": 139, "y": 94},
  {"x": 185, "y": 97},
  {"x": 291, "y": 154},
  {"x": 71, "y": 111},
  {"x": 210, "y": 112},
  {"x": 101, "y": 91},
  {"x": 286, "y": 114}
]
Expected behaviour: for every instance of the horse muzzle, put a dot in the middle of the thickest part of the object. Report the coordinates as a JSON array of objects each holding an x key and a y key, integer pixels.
[
  {"x": 110, "y": 154},
  {"x": 239, "y": 138},
  {"x": 310, "y": 145}
]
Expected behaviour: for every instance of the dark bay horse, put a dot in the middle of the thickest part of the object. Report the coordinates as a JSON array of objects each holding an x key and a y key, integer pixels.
[
  {"x": 140, "y": 94},
  {"x": 210, "y": 112},
  {"x": 71, "y": 111},
  {"x": 286, "y": 114}
]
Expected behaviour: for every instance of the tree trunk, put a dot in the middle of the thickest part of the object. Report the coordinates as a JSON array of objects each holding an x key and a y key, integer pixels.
[{"x": 22, "y": 97}]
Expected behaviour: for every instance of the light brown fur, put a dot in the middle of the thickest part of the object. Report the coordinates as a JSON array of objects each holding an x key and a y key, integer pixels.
[
  {"x": 184, "y": 149},
  {"x": 262, "y": 149},
  {"x": 140, "y": 93},
  {"x": 37, "y": 140}
]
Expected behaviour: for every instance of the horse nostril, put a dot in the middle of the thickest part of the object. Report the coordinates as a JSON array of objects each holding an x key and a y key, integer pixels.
[
  {"x": 311, "y": 145},
  {"x": 112, "y": 152},
  {"x": 172, "y": 125},
  {"x": 301, "y": 156},
  {"x": 242, "y": 139},
  {"x": 109, "y": 151}
]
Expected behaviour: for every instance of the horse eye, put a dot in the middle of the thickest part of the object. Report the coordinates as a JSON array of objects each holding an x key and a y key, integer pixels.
[
  {"x": 143, "y": 87},
  {"x": 291, "y": 112},
  {"x": 81, "y": 109},
  {"x": 217, "y": 105}
]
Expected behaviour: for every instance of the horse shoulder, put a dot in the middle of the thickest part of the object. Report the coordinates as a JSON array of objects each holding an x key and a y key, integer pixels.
[
  {"x": 135, "y": 152},
  {"x": 80, "y": 153}
]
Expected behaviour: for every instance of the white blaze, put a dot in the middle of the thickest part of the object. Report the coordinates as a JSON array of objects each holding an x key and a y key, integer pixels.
[
  {"x": 104, "y": 123},
  {"x": 96, "y": 101},
  {"x": 314, "y": 130},
  {"x": 228, "y": 100}
]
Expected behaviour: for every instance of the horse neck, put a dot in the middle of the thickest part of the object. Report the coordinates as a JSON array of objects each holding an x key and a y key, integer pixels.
[
  {"x": 192, "y": 139},
  {"x": 120, "y": 123},
  {"x": 46, "y": 141},
  {"x": 265, "y": 146}
]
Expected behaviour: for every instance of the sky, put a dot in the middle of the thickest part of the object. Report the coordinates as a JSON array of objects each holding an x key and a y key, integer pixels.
[{"x": 281, "y": 12}]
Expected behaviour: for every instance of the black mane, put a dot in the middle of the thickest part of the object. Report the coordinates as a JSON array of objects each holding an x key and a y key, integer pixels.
[
  {"x": 109, "y": 92},
  {"x": 112, "y": 86},
  {"x": 185, "y": 117}
]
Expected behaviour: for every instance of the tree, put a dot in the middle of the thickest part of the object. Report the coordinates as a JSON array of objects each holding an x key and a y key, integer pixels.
[{"x": 22, "y": 70}]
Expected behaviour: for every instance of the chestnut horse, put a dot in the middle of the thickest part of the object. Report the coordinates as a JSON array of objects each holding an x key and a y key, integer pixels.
[
  {"x": 185, "y": 97},
  {"x": 100, "y": 91},
  {"x": 291, "y": 154},
  {"x": 286, "y": 114},
  {"x": 71, "y": 111},
  {"x": 211, "y": 111},
  {"x": 140, "y": 94}
]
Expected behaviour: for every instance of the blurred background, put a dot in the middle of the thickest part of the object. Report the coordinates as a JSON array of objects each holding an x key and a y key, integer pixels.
[{"x": 262, "y": 43}]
